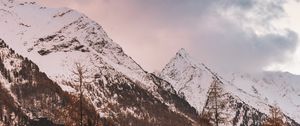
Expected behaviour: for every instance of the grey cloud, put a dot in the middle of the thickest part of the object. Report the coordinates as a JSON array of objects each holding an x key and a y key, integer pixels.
[
  {"x": 231, "y": 48},
  {"x": 243, "y": 4},
  {"x": 226, "y": 45}
]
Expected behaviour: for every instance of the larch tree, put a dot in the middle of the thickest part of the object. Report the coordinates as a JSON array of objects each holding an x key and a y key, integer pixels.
[
  {"x": 276, "y": 117},
  {"x": 80, "y": 73},
  {"x": 215, "y": 104}
]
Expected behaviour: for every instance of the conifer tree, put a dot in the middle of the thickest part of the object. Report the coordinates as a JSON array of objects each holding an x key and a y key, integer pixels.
[
  {"x": 276, "y": 117},
  {"x": 215, "y": 104},
  {"x": 80, "y": 71}
]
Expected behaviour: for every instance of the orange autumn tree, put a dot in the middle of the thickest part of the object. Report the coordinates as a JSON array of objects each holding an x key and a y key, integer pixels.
[
  {"x": 276, "y": 117},
  {"x": 80, "y": 72},
  {"x": 215, "y": 105}
]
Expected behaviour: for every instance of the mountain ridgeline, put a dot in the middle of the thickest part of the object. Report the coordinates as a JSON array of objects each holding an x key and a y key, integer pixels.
[
  {"x": 38, "y": 85},
  {"x": 210, "y": 94},
  {"x": 29, "y": 97}
]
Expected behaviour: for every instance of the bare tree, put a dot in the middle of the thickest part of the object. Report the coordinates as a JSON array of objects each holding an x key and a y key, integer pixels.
[
  {"x": 80, "y": 72},
  {"x": 214, "y": 104},
  {"x": 276, "y": 117}
]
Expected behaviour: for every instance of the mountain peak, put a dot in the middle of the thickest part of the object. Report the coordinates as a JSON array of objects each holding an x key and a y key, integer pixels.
[
  {"x": 192, "y": 80},
  {"x": 185, "y": 76},
  {"x": 184, "y": 59},
  {"x": 183, "y": 53},
  {"x": 63, "y": 37}
]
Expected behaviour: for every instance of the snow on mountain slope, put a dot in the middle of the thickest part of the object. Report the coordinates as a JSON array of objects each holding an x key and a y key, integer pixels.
[
  {"x": 271, "y": 88},
  {"x": 42, "y": 33},
  {"x": 56, "y": 38},
  {"x": 260, "y": 91},
  {"x": 188, "y": 78},
  {"x": 28, "y": 95}
]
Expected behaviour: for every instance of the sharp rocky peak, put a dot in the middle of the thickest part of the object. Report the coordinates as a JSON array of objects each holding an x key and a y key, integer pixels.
[
  {"x": 62, "y": 37},
  {"x": 185, "y": 76},
  {"x": 182, "y": 54},
  {"x": 183, "y": 61},
  {"x": 192, "y": 81}
]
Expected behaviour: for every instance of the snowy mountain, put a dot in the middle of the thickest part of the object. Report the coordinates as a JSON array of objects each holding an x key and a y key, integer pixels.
[
  {"x": 29, "y": 97},
  {"x": 270, "y": 88},
  {"x": 118, "y": 89},
  {"x": 248, "y": 96},
  {"x": 188, "y": 78},
  {"x": 42, "y": 45},
  {"x": 63, "y": 35}
]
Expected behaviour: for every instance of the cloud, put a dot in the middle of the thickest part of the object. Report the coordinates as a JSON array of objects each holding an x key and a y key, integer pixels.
[
  {"x": 230, "y": 35},
  {"x": 224, "y": 46}
]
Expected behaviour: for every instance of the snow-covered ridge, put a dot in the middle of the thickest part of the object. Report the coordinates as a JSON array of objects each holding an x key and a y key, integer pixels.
[
  {"x": 56, "y": 38},
  {"x": 188, "y": 78},
  {"x": 261, "y": 90},
  {"x": 28, "y": 94},
  {"x": 270, "y": 88},
  {"x": 64, "y": 36}
]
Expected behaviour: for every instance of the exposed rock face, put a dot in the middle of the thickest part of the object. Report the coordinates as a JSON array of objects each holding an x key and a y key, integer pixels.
[
  {"x": 118, "y": 89},
  {"x": 193, "y": 81},
  {"x": 29, "y": 97}
]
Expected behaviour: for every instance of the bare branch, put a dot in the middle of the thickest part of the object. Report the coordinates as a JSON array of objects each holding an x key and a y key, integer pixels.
[{"x": 80, "y": 72}]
